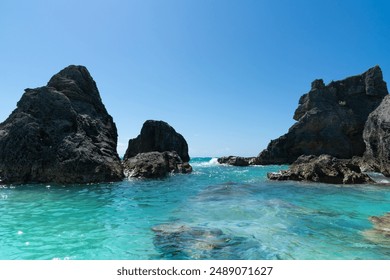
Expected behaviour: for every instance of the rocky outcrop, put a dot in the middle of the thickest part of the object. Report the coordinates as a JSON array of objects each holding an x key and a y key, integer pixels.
[
  {"x": 158, "y": 136},
  {"x": 60, "y": 133},
  {"x": 376, "y": 136},
  {"x": 322, "y": 169},
  {"x": 156, "y": 152},
  {"x": 155, "y": 165},
  {"x": 236, "y": 161},
  {"x": 330, "y": 120}
]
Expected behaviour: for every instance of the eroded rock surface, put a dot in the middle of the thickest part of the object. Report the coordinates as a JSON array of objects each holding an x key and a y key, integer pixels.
[
  {"x": 60, "y": 133},
  {"x": 330, "y": 120},
  {"x": 322, "y": 169}
]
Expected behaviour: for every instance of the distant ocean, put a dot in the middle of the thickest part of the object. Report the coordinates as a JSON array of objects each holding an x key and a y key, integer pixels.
[{"x": 217, "y": 212}]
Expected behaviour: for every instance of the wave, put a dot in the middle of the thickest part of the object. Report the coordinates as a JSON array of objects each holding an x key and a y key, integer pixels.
[{"x": 204, "y": 162}]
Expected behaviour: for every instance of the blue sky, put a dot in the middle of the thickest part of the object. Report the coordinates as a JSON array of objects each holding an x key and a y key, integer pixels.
[{"x": 227, "y": 75}]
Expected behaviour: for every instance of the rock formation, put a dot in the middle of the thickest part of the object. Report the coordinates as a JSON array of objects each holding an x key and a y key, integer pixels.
[
  {"x": 60, "y": 133},
  {"x": 322, "y": 169},
  {"x": 330, "y": 120},
  {"x": 236, "y": 161},
  {"x": 155, "y": 165},
  {"x": 376, "y": 136},
  {"x": 157, "y": 151},
  {"x": 158, "y": 136}
]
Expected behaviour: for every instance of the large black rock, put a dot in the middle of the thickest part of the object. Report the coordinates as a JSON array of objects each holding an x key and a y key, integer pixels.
[
  {"x": 156, "y": 152},
  {"x": 158, "y": 136},
  {"x": 60, "y": 133},
  {"x": 377, "y": 138},
  {"x": 330, "y": 119}
]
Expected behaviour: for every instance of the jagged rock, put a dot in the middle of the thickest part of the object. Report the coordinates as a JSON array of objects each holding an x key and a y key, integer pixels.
[
  {"x": 322, "y": 169},
  {"x": 60, "y": 133},
  {"x": 158, "y": 136},
  {"x": 236, "y": 161},
  {"x": 376, "y": 136},
  {"x": 330, "y": 119},
  {"x": 155, "y": 165}
]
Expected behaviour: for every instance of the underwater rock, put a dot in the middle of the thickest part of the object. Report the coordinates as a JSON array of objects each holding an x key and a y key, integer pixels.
[
  {"x": 60, "y": 133},
  {"x": 158, "y": 136},
  {"x": 179, "y": 241},
  {"x": 236, "y": 161},
  {"x": 381, "y": 229},
  {"x": 228, "y": 190},
  {"x": 322, "y": 169},
  {"x": 330, "y": 120},
  {"x": 155, "y": 165},
  {"x": 376, "y": 136}
]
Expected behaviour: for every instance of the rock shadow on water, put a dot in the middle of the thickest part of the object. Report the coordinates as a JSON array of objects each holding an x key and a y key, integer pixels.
[{"x": 183, "y": 242}]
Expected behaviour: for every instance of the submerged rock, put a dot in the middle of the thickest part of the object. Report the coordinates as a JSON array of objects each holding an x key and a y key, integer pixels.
[
  {"x": 330, "y": 120},
  {"x": 158, "y": 136},
  {"x": 381, "y": 229},
  {"x": 155, "y": 165},
  {"x": 60, "y": 133},
  {"x": 322, "y": 169},
  {"x": 376, "y": 136},
  {"x": 236, "y": 161},
  {"x": 156, "y": 152},
  {"x": 179, "y": 241}
]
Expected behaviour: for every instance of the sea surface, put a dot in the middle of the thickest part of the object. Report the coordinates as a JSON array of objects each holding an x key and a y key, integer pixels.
[{"x": 217, "y": 212}]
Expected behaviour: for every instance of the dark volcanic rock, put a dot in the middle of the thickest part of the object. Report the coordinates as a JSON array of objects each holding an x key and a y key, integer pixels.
[
  {"x": 155, "y": 165},
  {"x": 330, "y": 119},
  {"x": 156, "y": 152},
  {"x": 376, "y": 135},
  {"x": 60, "y": 133},
  {"x": 158, "y": 136},
  {"x": 236, "y": 161},
  {"x": 324, "y": 169}
]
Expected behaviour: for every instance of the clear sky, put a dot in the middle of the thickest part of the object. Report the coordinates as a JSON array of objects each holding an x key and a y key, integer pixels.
[{"x": 227, "y": 75}]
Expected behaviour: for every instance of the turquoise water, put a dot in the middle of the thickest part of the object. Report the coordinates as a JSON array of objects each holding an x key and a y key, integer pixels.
[{"x": 218, "y": 212}]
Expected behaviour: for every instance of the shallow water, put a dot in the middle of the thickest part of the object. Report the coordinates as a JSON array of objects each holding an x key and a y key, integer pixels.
[{"x": 218, "y": 212}]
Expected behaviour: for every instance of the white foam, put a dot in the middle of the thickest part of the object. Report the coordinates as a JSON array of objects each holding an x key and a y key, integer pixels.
[
  {"x": 211, "y": 162},
  {"x": 20, "y": 232}
]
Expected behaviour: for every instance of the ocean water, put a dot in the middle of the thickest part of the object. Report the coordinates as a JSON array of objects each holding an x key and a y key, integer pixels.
[{"x": 217, "y": 212}]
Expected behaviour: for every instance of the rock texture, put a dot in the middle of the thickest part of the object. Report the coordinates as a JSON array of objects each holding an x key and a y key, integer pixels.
[
  {"x": 158, "y": 136},
  {"x": 60, "y": 133},
  {"x": 376, "y": 136},
  {"x": 380, "y": 233},
  {"x": 330, "y": 120},
  {"x": 236, "y": 161},
  {"x": 156, "y": 152},
  {"x": 322, "y": 169},
  {"x": 155, "y": 165},
  {"x": 181, "y": 241}
]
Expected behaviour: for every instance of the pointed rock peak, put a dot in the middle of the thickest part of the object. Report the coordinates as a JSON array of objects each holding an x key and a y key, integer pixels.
[{"x": 74, "y": 77}]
